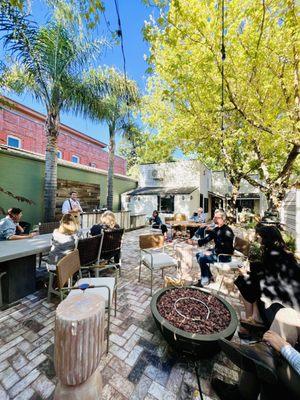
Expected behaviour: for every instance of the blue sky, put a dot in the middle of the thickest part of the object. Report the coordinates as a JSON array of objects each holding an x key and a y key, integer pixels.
[{"x": 133, "y": 14}]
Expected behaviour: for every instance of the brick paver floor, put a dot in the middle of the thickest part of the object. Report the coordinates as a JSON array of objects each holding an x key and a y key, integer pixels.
[{"x": 139, "y": 364}]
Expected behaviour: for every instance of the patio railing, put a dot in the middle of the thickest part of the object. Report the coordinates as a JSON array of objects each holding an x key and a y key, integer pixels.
[{"x": 123, "y": 218}]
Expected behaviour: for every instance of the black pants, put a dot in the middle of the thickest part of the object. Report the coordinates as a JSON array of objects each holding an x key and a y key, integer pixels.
[{"x": 163, "y": 227}]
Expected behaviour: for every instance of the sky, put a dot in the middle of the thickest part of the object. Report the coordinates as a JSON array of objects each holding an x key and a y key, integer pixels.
[{"x": 133, "y": 13}]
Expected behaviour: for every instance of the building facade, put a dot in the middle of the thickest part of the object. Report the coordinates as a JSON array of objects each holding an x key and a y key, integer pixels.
[
  {"x": 23, "y": 128},
  {"x": 175, "y": 187}
]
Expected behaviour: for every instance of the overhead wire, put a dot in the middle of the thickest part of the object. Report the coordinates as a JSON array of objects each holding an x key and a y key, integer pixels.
[
  {"x": 223, "y": 57},
  {"x": 120, "y": 35}
]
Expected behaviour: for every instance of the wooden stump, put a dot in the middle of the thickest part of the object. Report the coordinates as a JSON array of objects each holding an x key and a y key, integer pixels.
[
  {"x": 79, "y": 336},
  {"x": 184, "y": 253}
]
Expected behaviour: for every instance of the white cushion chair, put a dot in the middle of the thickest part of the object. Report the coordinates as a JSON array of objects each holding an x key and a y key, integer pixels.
[
  {"x": 239, "y": 258},
  {"x": 106, "y": 287},
  {"x": 153, "y": 256}
]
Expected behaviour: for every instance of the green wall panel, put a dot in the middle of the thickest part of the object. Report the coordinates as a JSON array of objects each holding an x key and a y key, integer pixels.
[{"x": 23, "y": 175}]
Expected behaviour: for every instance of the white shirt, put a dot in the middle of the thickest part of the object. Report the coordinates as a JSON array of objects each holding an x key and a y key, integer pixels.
[{"x": 69, "y": 205}]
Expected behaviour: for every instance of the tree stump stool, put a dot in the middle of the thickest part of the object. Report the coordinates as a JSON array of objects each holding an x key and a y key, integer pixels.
[
  {"x": 184, "y": 253},
  {"x": 79, "y": 337}
]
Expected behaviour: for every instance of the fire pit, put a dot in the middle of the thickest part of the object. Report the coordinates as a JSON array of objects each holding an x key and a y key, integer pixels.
[{"x": 192, "y": 320}]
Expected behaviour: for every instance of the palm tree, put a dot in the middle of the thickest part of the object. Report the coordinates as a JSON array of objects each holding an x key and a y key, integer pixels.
[
  {"x": 52, "y": 60},
  {"x": 111, "y": 105}
]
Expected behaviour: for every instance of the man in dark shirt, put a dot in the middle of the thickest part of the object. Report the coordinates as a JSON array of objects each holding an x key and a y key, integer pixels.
[{"x": 223, "y": 238}]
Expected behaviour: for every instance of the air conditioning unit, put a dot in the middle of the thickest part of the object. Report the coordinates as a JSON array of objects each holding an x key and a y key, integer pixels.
[{"x": 157, "y": 174}]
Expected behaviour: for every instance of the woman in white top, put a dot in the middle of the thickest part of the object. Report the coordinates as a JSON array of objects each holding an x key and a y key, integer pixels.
[{"x": 64, "y": 240}]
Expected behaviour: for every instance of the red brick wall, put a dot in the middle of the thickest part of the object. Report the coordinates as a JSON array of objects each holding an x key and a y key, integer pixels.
[{"x": 31, "y": 132}]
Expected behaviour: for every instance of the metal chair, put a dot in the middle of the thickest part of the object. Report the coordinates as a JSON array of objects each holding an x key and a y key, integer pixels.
[
  {"x": 153, "y": 257},
  {"x": 89, "y": 249},
  {"x": 238, "y": 258},
  {"x": 106, "y": 287}
]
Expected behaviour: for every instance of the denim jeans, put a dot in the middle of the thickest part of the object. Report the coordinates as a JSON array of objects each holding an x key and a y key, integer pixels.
[
  {"x": 200, "y": 232},
  {"x": 204, "y": 260}
]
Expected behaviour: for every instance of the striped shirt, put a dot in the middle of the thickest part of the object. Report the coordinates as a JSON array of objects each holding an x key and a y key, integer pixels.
[{"x": 292, "y": 356}]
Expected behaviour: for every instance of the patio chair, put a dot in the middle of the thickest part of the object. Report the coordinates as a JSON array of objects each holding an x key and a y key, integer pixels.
[
  {"x": 44, "y": 228},
  {"x": 153, "y": 257},
  {"x": 106, "y": 287},
  {"x": 47, "y": 227},
  {"x": 238, "y": 258},
  {"x": 110, "y": 251},
  {"x": 89, "y": 249}
]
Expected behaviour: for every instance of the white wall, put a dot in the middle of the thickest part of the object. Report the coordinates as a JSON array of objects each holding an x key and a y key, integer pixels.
[
  {"x": 185, "y": 205},
  {"x": 290, "y": 215},
  {"x": 143, "y": 204},
  {"x": 175, "y": 174}
]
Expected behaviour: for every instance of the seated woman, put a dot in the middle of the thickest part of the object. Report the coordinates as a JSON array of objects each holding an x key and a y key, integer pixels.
[
  {"x": 157, "y": 223},
  {"x": 64, "y": 240},
  {"x": 270, "y": 368},
  {"x": 108, "y": 223},
  {"x": 276, "y": 276}
]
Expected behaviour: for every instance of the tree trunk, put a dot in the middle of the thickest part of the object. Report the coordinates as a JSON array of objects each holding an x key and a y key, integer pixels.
[
  {"x": 111, "y": 162},
  {"x": 51, "y": 129},
  {"x": 231, "y": 212}
]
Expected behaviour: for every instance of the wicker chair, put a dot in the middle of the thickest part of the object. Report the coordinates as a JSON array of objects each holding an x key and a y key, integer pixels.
[
  {"x": 89, "y": 249},
  {"x": 48, "y": 227},
  {"x": 106, "y": 287},
  {"x": 110, "y": 249},
  {"x": 44, "y": 228}
]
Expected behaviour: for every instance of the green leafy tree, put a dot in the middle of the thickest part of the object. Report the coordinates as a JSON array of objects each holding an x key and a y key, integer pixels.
[
  {"x": 261, "y": 96},
  {"x": 121, "y": 96},
  {"x": 51, "y": 61}
]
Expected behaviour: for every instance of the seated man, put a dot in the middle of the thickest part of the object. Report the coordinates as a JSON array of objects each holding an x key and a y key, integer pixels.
[
  {"x": 198, "y": 216},
  {"x": 223, "y": 237},
  {"x": 10, "y": 225}
]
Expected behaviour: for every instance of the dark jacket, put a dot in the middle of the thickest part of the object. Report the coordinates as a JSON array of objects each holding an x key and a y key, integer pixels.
[
  {"x": 97, "y": 229},
  {"x": 156, "y": 220},
  {"x": 277, "y": 277},
  {"x": 223, "y": 238}
]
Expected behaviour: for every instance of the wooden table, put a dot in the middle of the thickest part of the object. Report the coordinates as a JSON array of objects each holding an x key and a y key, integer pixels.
[
  {"x": 185, "y": 225},
  {"x": 18, "y": 260}
]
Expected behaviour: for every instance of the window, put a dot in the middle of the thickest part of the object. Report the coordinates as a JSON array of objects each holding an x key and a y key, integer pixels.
[
  {"x": 201, "y": 200},
  {"x": 75, "y": 159},
  {"x": 13, "y": 142},
  {"x": 205, "y": 204},
  {"x": 59, "y": 154},
  {"x": 93, "y": 165},
  {"x": 167, "y": 204}
]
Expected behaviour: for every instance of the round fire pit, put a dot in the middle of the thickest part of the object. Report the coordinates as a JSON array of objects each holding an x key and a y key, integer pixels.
[{"x": 192, "y": 320}]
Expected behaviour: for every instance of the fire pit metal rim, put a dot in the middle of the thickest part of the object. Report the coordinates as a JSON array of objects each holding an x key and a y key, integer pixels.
[{"x": 189, "y": 335}]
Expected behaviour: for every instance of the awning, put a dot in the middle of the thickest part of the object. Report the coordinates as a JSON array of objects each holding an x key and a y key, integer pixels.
[
  {"x": 220, "y": 196},
  {"x": 248, "y": 196},
  {"x": 162, "y": 190}
]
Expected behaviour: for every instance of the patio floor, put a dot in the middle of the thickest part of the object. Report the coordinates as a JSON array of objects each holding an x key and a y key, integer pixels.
[{"x": 139, "y": 364}]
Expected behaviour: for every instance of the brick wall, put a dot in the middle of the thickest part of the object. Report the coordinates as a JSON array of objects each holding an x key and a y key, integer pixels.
[{"x": 28, "y": 126}]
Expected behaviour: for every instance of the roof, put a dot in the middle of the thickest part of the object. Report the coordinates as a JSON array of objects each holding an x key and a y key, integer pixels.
[{"x": 162, "y": 190}]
